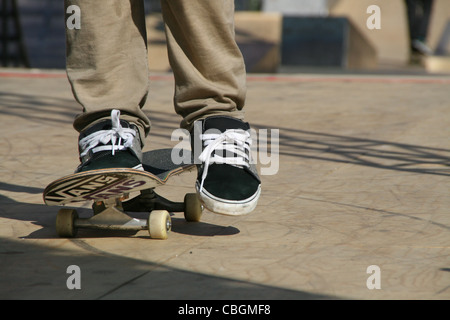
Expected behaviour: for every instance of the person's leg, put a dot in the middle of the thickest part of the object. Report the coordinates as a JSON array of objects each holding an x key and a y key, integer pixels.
[
  {"x": 411, "y": 10},
  {"x": 107, "y": 62},
  {"x": 210, "y": 90},
  {"x": 424, "y": 23},
  {"x": 207, "y": 64},
  {"x": 107, "y": 66},
  {"x": 418, "y": 13}
]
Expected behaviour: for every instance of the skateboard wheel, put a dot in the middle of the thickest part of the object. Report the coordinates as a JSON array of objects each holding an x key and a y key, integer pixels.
[
  {"x": 98, "y": 207},
  {"x": 65, "y": 223},
  {"x": 192, "y": 208},
  {"x": 159, "y": 224}
]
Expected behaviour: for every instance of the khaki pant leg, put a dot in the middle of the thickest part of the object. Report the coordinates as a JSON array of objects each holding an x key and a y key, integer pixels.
[
  {"x": 210, "y": 77},
  {"x": 107, "y": 62}
]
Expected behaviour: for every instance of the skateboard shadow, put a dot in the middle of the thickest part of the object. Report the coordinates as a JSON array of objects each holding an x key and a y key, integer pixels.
[
  {"x": 36, "y": 214},
  {"x": 179, "y": 225},
  {"x": 44, "y": 216}
]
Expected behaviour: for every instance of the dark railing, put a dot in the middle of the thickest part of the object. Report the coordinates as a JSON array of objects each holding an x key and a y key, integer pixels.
[{"x": 12, "y": 51}]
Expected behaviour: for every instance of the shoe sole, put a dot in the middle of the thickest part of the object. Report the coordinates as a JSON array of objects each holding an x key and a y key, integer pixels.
[{"x": 228, "y": 207}]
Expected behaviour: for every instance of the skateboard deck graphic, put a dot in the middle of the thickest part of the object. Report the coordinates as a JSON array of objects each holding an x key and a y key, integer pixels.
[
  {"x": 98, "y": 185},
  {"x": 108, "y": 188},
  {"x": 104, "y": 184}
]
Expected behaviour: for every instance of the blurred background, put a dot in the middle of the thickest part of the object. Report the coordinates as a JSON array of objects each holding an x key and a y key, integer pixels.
[{"x": 274, "y": 35}]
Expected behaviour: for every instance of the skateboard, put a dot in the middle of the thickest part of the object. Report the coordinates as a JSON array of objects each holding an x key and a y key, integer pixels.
[{"x": 109, "y": 190}]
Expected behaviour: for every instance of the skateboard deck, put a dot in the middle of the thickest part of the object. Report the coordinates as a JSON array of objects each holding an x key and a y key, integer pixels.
[
  {"x": 108, "y": 188},
  {"x": 104, "y": 184}
]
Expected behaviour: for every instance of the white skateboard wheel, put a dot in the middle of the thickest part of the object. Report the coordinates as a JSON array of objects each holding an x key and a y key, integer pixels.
[
  {"x": 159, "y": 224},
  {"x": 65, "y": 223},
  {"x": 192, "y": 208}
]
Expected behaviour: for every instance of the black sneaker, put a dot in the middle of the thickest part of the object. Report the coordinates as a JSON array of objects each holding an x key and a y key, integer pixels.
[
  {"x": 227, "y": 181},
  {"x": 111, "y": 143}
]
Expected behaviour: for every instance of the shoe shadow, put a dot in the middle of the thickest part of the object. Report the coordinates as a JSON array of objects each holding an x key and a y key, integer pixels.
[{"x": 202, "y": 229}]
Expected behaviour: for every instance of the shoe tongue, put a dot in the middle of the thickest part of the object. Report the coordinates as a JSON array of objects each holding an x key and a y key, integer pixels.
[
  {"x": 103, "y": 125},
  {"x": 223, "y": 123}
]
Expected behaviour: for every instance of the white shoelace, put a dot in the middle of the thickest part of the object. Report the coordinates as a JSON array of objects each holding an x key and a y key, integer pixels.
[
  {"x": 116, "y": 134},
  {"x": 235, "y": 141}
]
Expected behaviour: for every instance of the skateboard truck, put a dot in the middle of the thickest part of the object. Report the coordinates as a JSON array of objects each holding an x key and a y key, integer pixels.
[
  {"x": 109, "y": 188},
  {"x": 149, "y": 200},
  {"x": 110, "y": 214}
]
